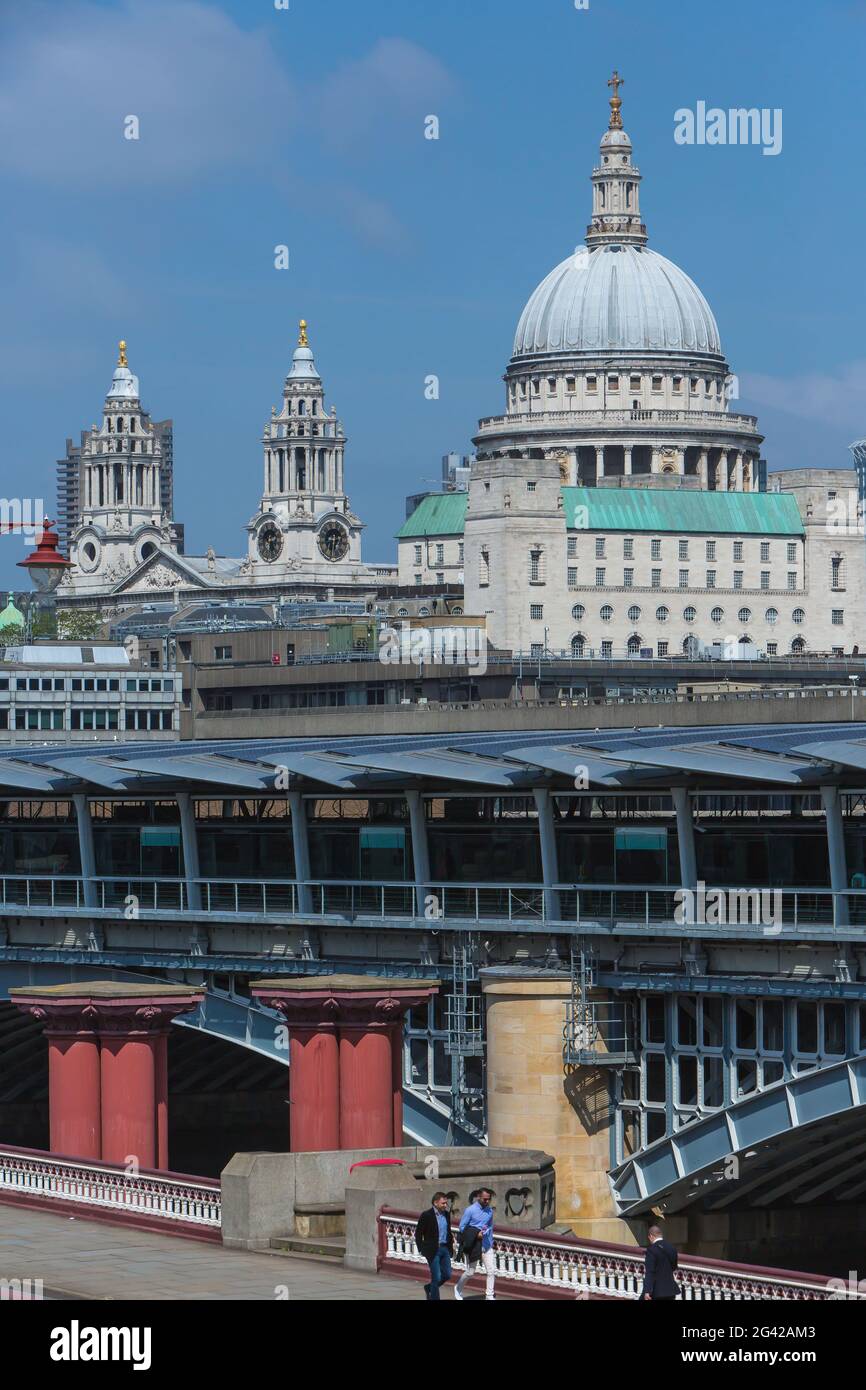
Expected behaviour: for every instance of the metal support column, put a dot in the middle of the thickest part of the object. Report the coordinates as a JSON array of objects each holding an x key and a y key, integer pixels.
[
  {"x": 836, "y": 852},
  {"x": 685, "y": 837},
  {"x": 420, "y": 851},
  {"x": 86, "y": 850},
  {"x": 549, "y": 857},
  {"x": 191, "y": 870},
  {"x": 301, "y": 847}
]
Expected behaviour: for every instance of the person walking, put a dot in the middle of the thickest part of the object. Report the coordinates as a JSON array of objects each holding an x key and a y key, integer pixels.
[
  {"x": 476, "y": 1229},
  {"x": 435, "y": 1240},
  {"x": 659, "y": 1285}
]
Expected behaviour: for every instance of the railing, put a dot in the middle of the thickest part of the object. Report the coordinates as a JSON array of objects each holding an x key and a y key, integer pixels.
[
  {"x": 602, "y": 417},
  {"x": 543, "y": 1266},
  {"x": 30, "y": 1175},
  {"x": 592, "y": 908}
]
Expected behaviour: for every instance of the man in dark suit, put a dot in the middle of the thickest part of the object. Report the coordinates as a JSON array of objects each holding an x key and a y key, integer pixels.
[
  {"x": 435, "y": 1241},
  {"x": 659, "y": 1285}
]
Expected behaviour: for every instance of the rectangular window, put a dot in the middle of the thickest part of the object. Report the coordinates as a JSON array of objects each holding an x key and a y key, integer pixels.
[
  {"x": 572, "y": 547},
  {"x": 772, "y": 648},
  {"x": 613, "y": 383},
  {"x": 627, "y": 579},
  {"x": 678, "y": 384},
  {"x": 536, "y": 612},
  {"x": 628, "y": 549},
  {"x": 222, "y": 653},
  {"x": 606, "y": 650},
  {"x": 792, "y": 553},
  {"x": 599, "y": 547},
  {"x": 836, "y": 572},
  {"x": 792, "y": 579},
  {"x": 417, "y": 555},
  {"x": 657, "y": 383},
  {"x": 655, "y": 550},
  {"x": 765, "y": 579},
  {"x": 711, "y": 550},
  {"x": 440, "y": 578},
  {"x": 663, "y": 648},
  {"x": 738, "y": 579},
  {"x": 535, "y": 566},
  {"x": 711, "y": 579},
  {"x": 765, "y": 552},
  {"x": 570, "y": 385},
  {"x": 572, "y": 577},
  {"x": 656, "y": 579},
  {"x": 599, "y": 579},
  {"x": 537, "y": 649},
  {"x": 460, "y": 553},
  {"x": 440, "y": 554},
  {"x": 591, "y": 383},
  {"x": 838, "y": 617},
  {"x": 684, "y": 579},
  {"x": 634, "y": 382},
  {"x": 484, "y": 568},
  {"x": 684, "y": 550},
  {"x": 418, "y": 579},
  {"x": 738, "y": 552}
]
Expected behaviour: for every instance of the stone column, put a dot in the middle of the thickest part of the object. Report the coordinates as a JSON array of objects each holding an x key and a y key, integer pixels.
[
  {"x": 627, "y": 460},
  {"x": 738, "y": 472},
  {"x": 532, "y": 1104},
  {"x": 703, "y": 470},
  {"x": 346, "y": 1039},
  {"x": 723, "y": 471},
  {"x": 599, "y": 461},
  {"x": 108, "y": 1092}
]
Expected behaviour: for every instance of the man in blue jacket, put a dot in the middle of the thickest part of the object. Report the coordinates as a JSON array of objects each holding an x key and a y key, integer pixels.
[
  {"x": 659, "y": 1285},
  {"x": 476, "y": 1226}
]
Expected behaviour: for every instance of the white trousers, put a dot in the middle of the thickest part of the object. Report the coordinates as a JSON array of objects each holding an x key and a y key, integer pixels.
[{"x": 488, "y": 1263}]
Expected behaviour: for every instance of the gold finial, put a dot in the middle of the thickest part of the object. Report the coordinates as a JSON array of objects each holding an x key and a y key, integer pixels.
[
  {"x": 616, "y": 101},
  {"x": 121, "y": 361},
  {"x": 303, "y": 340}
]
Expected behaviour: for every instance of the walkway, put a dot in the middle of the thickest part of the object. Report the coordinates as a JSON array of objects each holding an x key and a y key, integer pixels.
[{"x": 91, "y": 1259}]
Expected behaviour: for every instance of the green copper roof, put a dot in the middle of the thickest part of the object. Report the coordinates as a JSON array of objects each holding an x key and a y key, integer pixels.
[
  {"x": 10, "y": 616},
  {"x": 635, "y": 509},
  {"x": 442, "y": 514},
  {"x": 716, "y": 513}
]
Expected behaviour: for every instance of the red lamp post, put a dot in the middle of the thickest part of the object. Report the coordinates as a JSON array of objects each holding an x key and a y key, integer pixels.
[{"x": 45, "y": 565}]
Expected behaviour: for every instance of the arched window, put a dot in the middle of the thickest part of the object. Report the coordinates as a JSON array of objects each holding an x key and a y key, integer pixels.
[
  {"x": 302, "y": 407},
  {"x": 718, "y": 615},
  {"x": 799, "y": 615},
  {"x": 772, "y": 616},
  {"x": 798, "y": 646},
  {"x": 634, "y": 644},
  {"x": 745, "y": 637},
  {"x": 689, "y": 615},
  {"x": 634, "y": 614},
  {"x": 662, "y": 614},
  {"x": 578, "y": 644},
  {"x": 606, "y": 613},
  {"x": 745, "y": 615},
  {"x": 690, "y": 647}
]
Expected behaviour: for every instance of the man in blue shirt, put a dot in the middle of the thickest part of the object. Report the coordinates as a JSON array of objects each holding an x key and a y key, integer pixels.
[
  {"x": 435, "y": 1241},
  {"x": 477, "y": 1222}
]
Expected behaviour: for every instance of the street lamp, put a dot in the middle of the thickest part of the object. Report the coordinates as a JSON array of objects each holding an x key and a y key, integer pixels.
[{"x": 45, "y": 565}]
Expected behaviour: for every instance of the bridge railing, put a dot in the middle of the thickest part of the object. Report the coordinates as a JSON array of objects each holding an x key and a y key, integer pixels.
[
  {"x": 541, "y": 1266},
  {"x": 592, "y": 908},
  {"x": 174, "y": 1200}
]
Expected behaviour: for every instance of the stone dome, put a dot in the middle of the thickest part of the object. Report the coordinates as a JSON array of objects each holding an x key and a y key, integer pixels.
[{"x": 617, "y": 299}]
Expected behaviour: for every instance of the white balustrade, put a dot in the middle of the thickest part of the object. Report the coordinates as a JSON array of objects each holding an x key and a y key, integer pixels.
[
  {"x": 186, "y": 1200},
  {"x": 588, "y": 1269}
]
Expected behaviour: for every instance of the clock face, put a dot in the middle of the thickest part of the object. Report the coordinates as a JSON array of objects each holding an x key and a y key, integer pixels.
[
  {"x": 333, "y": 541},
  {"x": 270, "y": 542}
]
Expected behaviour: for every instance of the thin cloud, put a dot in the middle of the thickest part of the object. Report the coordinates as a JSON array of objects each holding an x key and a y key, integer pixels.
[
  {"x": 838, "y": 400},
  {"x": 366, "y": 103}
]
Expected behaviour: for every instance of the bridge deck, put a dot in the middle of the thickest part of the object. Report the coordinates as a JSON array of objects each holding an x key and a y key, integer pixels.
[{"x": 88, "y": 1259}]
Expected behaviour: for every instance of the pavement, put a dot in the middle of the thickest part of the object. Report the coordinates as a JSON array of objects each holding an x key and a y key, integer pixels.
[{"x": 95, "y": 1260}]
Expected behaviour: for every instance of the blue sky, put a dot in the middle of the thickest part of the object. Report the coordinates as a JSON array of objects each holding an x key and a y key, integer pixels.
[{"x": 305, "y": 127}]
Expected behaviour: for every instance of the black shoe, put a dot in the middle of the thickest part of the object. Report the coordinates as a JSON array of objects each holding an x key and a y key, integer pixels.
[{"x": 427, "y": 1291}]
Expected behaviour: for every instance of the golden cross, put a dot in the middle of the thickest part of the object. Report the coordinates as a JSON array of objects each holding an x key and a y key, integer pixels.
[{"x": 616, "y": 82}]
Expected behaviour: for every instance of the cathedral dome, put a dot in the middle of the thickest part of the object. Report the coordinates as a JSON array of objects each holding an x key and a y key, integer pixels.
[{"x": 616, "y": 298}]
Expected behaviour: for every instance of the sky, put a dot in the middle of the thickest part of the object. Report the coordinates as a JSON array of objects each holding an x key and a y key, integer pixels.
[{"x": 301, "y": 123}]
